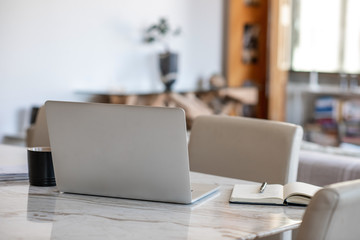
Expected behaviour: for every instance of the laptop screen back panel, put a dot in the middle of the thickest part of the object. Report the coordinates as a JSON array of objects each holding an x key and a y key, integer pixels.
[{"x": 120, "y": 151}]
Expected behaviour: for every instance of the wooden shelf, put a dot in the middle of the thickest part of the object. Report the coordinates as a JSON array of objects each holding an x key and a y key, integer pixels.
[{"x": 224, "y": 101}]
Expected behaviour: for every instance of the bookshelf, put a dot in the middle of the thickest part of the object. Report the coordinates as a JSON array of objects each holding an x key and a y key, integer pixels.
[{"x": 329, "y": 114}]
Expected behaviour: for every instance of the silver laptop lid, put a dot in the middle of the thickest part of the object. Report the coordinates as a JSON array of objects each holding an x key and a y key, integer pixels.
[{"x": 120, "y": 151}]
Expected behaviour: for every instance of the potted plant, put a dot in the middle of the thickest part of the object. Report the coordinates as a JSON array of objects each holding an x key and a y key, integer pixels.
[{"x": 168, "y": 61}]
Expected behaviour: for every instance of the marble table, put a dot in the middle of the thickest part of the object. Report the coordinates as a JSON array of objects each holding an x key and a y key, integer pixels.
[{"x": 28, "y": 212}]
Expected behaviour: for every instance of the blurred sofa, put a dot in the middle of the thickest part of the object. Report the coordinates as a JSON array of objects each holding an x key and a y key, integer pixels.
[{"x": 321, "y": 166}]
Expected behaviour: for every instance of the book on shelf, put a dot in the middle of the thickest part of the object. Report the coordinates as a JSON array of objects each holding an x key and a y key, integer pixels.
[
  {"x": 295, "y": 193},
  {"x": 351, "y": 110},
  {"x": 327, "y": 108},
  {"x": 355, "y": 140},
  {"x": 350, "y": 126}
]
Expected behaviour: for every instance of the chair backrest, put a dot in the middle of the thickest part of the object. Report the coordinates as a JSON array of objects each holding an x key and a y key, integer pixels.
[
  {"x": 333, "y": 213},
  {"x": 245, "y": 148},
  {"x": 37, "y": 134}
]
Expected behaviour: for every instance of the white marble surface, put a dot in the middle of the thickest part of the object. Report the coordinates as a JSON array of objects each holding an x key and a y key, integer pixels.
[{"x": 28, "y": 212}]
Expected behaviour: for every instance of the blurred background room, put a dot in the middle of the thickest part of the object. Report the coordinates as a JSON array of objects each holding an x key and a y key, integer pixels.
[{"x": 287, "y": 60}]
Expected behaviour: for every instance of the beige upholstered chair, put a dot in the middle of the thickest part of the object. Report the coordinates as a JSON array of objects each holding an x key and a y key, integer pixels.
[
  {"x": 37, "y": 134},
  {"x": 333, "y": 213},
  {"x": 245, "y": 148}
]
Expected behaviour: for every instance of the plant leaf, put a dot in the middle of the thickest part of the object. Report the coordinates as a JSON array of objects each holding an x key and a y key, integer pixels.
[
  {"x": 149, "y": 39},
  {"x": 151, "y": 28}
]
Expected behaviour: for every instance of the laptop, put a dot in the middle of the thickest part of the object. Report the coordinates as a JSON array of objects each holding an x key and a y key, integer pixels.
[{"x": 124, "y": 151}]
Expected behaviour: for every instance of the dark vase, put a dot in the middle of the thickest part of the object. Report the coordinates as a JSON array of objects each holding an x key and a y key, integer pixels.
[{"x": 168, "y": 69}]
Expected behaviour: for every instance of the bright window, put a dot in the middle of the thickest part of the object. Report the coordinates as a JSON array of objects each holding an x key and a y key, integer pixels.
[{"x": 326, "y": 36}]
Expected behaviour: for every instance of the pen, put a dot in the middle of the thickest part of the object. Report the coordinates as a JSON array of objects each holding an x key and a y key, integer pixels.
[{"x": 263, "y": 186}]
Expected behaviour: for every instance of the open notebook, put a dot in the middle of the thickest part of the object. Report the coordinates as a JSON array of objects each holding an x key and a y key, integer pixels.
[{"x": 296, "y": 193}]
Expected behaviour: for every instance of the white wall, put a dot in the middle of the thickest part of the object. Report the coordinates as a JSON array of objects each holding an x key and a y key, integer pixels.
[{"x": 51, "y": 49}]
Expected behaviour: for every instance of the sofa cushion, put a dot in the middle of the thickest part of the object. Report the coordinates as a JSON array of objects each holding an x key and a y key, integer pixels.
[{"x": 321, "y": 168}]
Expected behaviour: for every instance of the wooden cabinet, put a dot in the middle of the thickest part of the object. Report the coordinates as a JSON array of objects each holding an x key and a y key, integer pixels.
[
  {"x": 258, "y": 50},
  {"x": 246, "y": 47}
]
